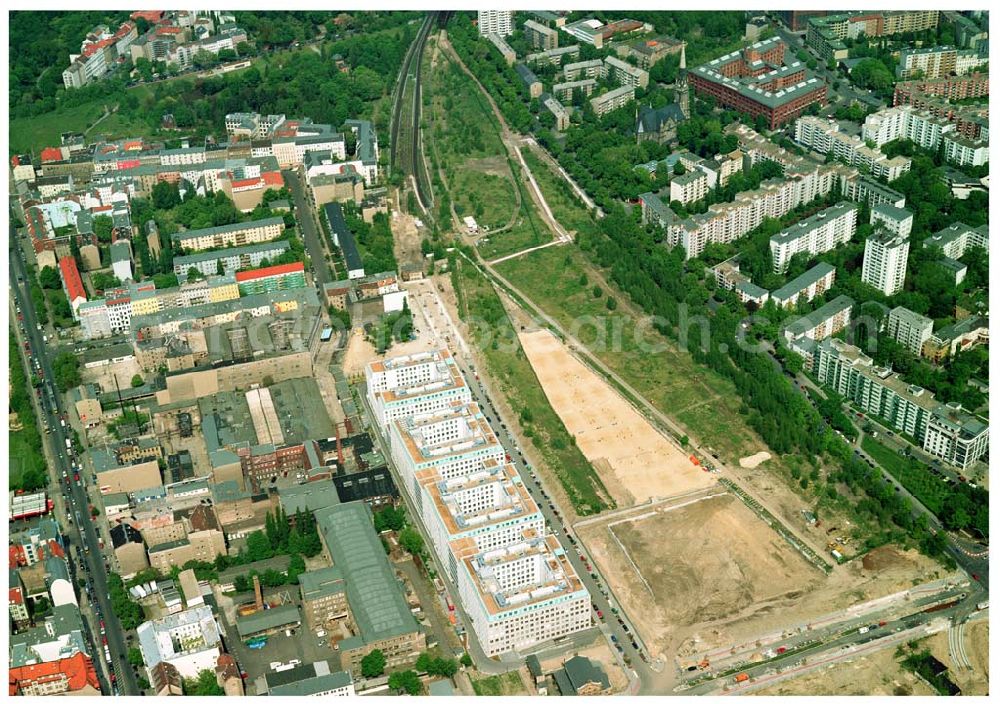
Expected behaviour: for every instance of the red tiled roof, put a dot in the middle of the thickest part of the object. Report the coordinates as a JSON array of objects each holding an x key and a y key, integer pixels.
[
  {"x": 168, "y": 30},
  {"x": 15, "y": 596},
  {"x": 129, "y": 164},
  {"x": 132, "y": 145},
  {"x": 246, "y": 182},
  {"x": 16, "y": 556},
  {"x": 78, "y": 670},
  {"x": 276, "y": 270},
  {"x": 148, "y": 15},
  {"x": 71, "y": 277},
  {"x": 92, "y": 49},
  {"x": 15, "y": 160},
  {"x": 51, "y": 154},
  {"x": 273, "y": 178}
]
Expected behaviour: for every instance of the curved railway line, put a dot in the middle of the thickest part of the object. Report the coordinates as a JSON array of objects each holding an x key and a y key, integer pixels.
[{"x": 406, "y": 155}]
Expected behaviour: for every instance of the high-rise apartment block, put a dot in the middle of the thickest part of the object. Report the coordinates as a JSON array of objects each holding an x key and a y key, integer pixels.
[
  {"x": 499, "y": 22},
  {"x": 884, "y": 263}
]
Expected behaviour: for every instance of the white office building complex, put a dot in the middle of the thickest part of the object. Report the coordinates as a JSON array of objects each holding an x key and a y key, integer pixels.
[
  {"x": 516, "y": 585},
  {"x": 499, "y": 22},
  {"x": 818, "y": 233},
  {"x": 884, "y": 263},
  {"x": 188, "y": 640},
  {"x": 522, "y": 595},
  {"x": 485, "y": 510},
  {"x": 413, "y": 384},
  {"x": 909, "y": 329},
  {"x": 454, "y": 441}
]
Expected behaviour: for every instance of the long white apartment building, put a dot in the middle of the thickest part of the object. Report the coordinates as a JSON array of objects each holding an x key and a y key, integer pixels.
[
  {"x": 522, "y": 595},
  {"x": 594, "y": 68},
  {"x": 413, "y": 384},
  {"x": 564, "y": 91},
  {"x": 825, "y": 137},
  {"x": 909, "y": 329},
  {"x": 625, "y": 73},
  {"x": 612, "y": 100},
  {"x": 862, "y": 189},
  {"x": 884, "y": 263},
  {"x": 454, "y": 441},
  {"x": 944, "y": 430},
  {"x": 816, "y": 234},
  {"x": 958, "y": 237},
  {"x": 234, "y": 235},
  {"x": 828, "y": 319},
  {"x": 806, "y": 286},
  {"x": 906, "y": 122},
  {"x": 482, "y": 511}
]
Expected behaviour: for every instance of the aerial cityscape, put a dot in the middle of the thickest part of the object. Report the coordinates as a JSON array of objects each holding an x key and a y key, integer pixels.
[{"x": 498, "y": 352}]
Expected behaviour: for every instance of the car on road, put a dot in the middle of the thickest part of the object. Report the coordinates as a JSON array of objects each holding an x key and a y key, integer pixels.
[{"x": 600, "y": 614}]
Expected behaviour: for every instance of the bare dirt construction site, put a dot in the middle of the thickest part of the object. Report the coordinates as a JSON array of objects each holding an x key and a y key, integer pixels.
[
  {"x": 974, "y": 682},
  {"x": 635, "y": 461},
  {"x": 877, "y": 674},
  {"x": 695, "y": 574}
]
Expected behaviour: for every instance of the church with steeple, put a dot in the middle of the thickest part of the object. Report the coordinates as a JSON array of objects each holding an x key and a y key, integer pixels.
[{"x": 660, "y": 125}]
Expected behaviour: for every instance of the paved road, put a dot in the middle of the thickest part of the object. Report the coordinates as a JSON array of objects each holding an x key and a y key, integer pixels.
[
  {"x": 83, "y": 531},
  {"x": 306, "y": 215}
]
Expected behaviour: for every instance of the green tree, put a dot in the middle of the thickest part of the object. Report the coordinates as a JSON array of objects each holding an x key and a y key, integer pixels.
[
  {"x": 49, "y": 278},
  {"x": 135, "y": 657},
  {"x": 411, "y": 541},
  {"x": 466, "y": 660},
  {"x": 204, "y": 685},
  {"x": 66, "y": 368},
  {"x": 166, "y": 195},
  {"x": 373, "y": 664},
  {"x": 406, "y": 681},
  {"x": 103, "y": 225},
  {"x": 137, "y": 381}
]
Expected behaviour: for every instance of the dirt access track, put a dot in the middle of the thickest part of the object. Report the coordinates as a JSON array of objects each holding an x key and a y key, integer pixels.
[
  {"x": 634, "y": 460},
  {"x": 693, "y": 575}
]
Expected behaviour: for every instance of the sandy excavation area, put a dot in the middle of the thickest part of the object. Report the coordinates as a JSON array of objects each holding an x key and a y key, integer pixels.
[
  {"x": 709, "y": 573},
  {"x": 633, "y": 459},
  {"x": 876, "y": 675}
]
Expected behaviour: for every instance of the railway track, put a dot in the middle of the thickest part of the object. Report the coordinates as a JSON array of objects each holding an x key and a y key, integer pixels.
[{"x": 406, "y": 156}]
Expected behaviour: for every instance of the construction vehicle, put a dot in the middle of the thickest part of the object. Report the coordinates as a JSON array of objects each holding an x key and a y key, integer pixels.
[
  {"x": 742, "y": 677},
  {"x": 703, "y": 665}
]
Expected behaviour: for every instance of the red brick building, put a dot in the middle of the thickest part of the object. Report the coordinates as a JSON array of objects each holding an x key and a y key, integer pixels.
[{"x": 758, "y": 81}]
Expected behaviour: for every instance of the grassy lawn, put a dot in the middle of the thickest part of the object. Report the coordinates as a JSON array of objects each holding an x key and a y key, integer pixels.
[
  {"x": 564, "y": 204},
  {"x": 463, "y": 126},
  {"x": 506, "y": 684},
  {"x": 512, "y": 371},
  {"x": 698, "y": 399},
  {"x": 34, "y": 133},
  {"x": 487, "y": 197}
]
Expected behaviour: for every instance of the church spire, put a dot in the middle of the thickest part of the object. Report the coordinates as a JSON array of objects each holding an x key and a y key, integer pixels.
[{"x": 683, "y": 89}]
